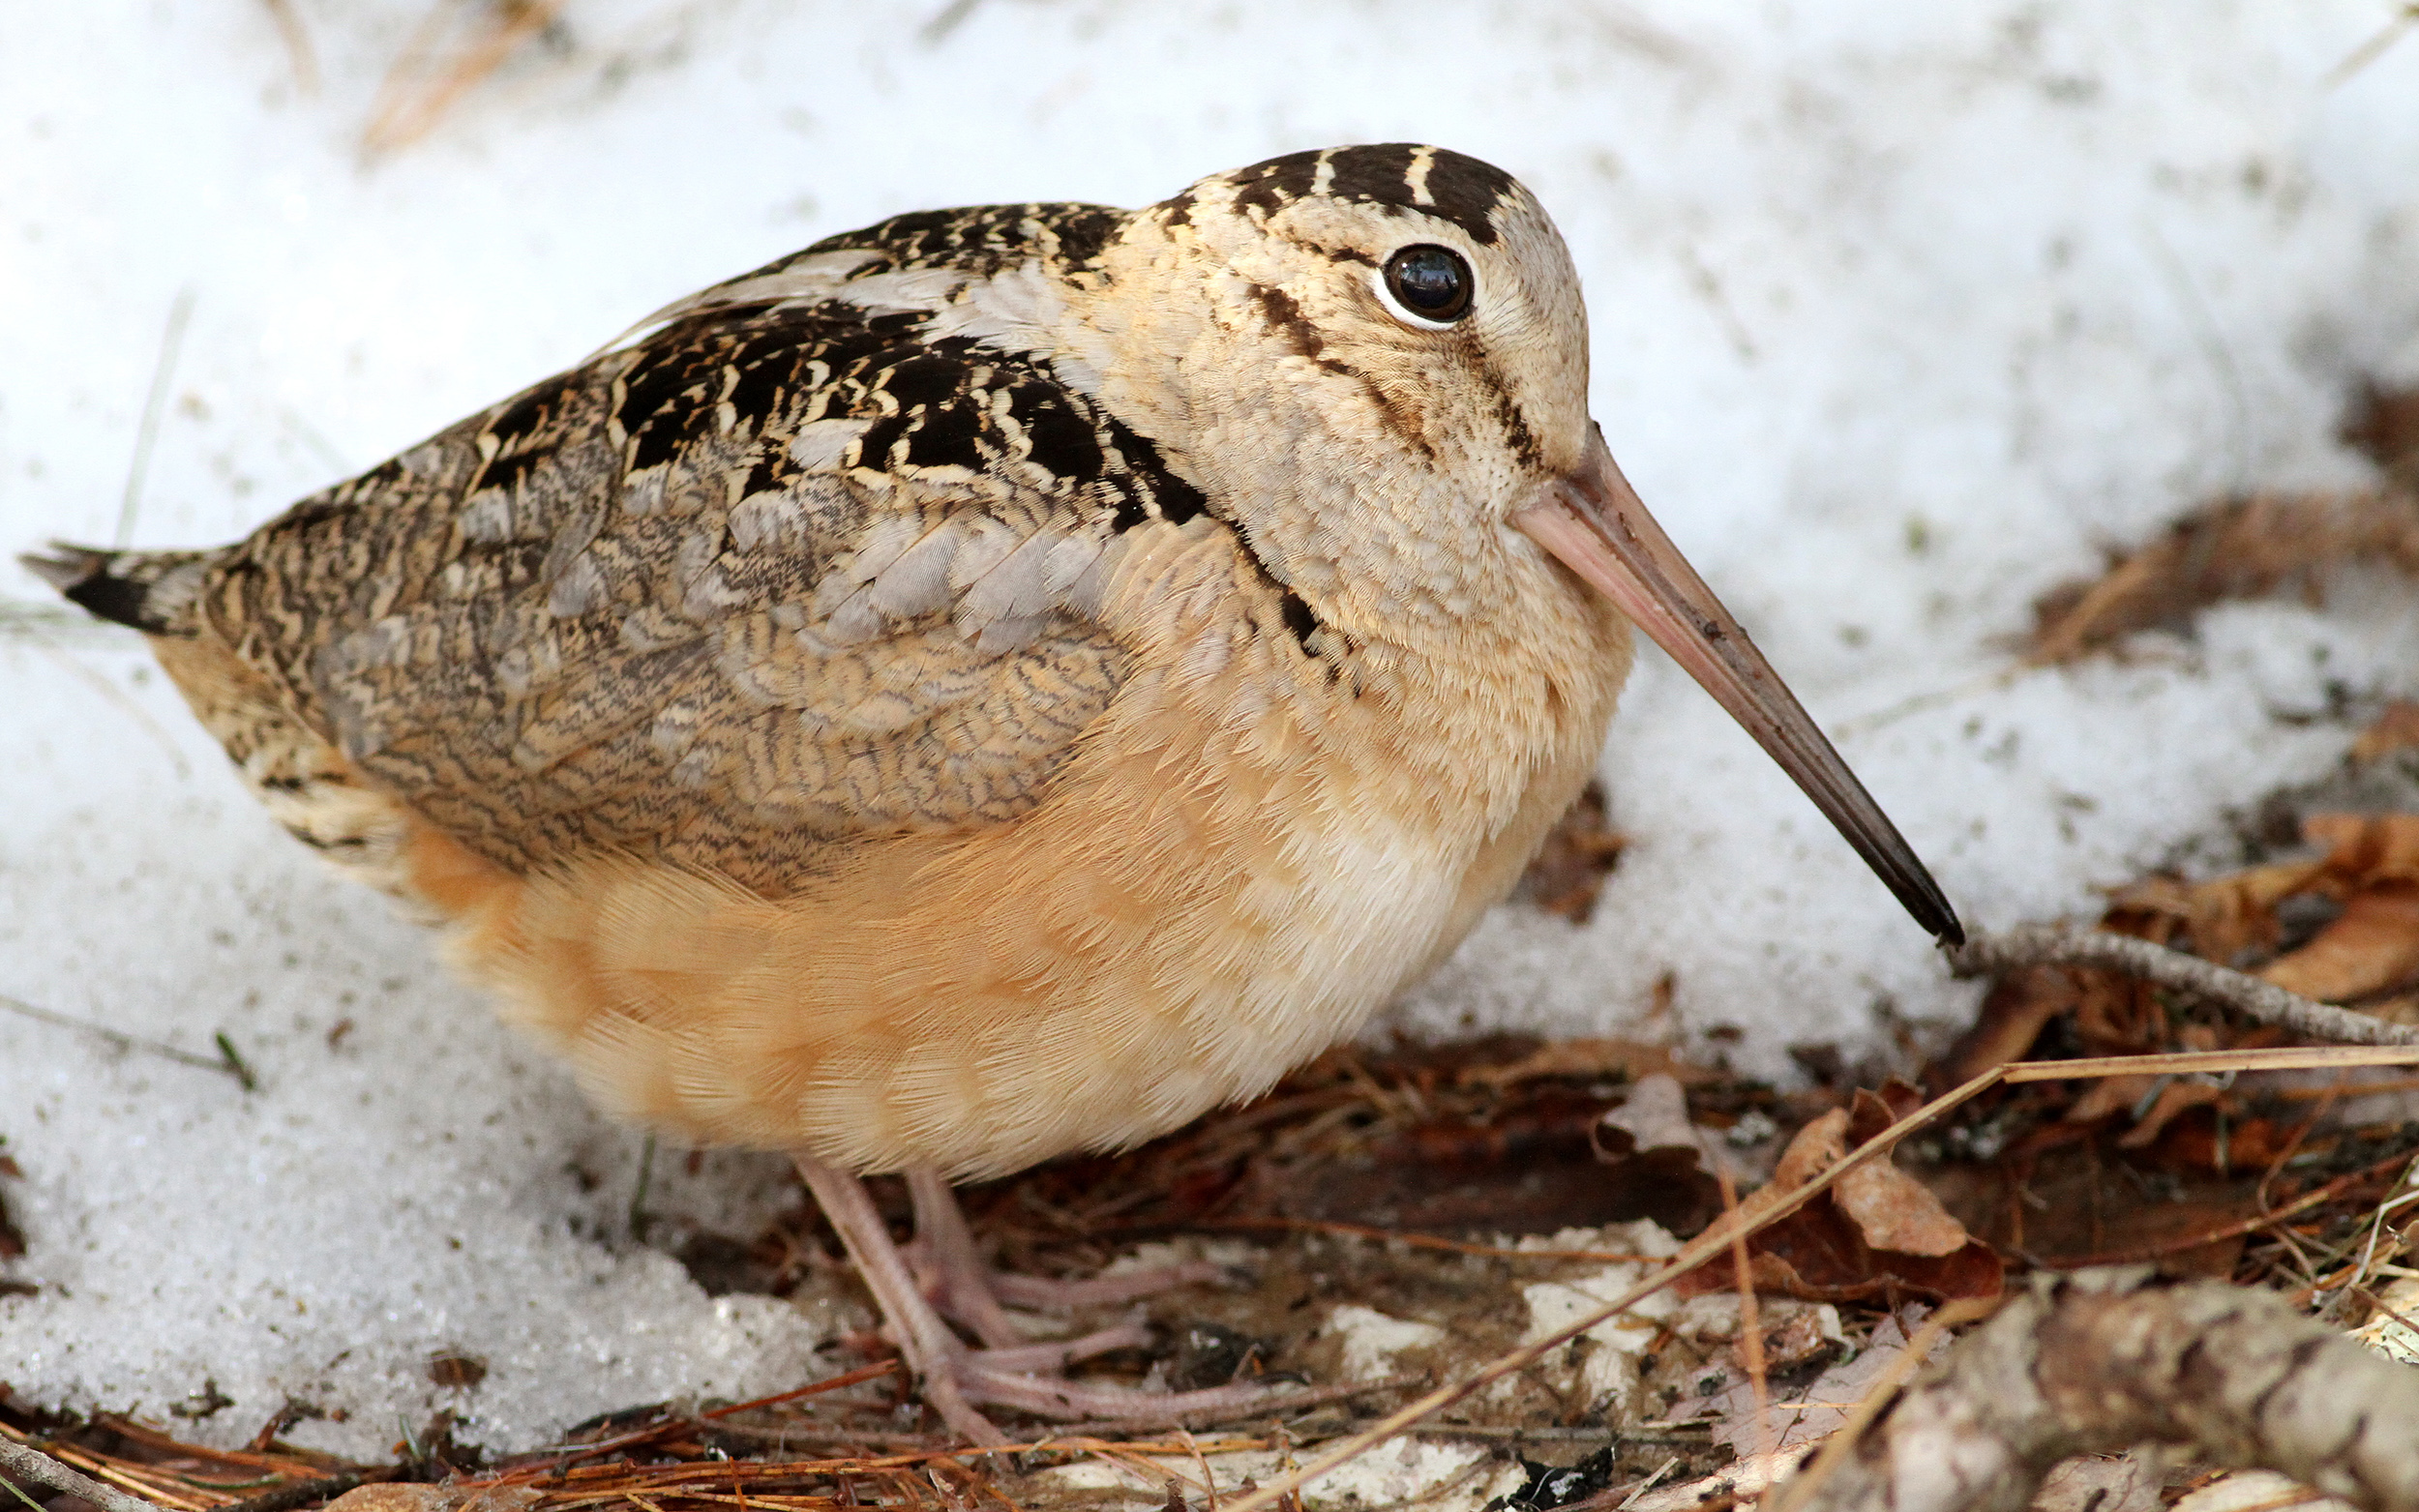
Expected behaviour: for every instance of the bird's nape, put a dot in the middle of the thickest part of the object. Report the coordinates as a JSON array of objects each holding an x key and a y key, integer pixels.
[{"x": 1595, "y": 523}]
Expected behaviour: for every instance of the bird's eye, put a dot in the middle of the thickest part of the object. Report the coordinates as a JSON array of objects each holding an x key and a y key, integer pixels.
[{"x": 1430, "y": 282}]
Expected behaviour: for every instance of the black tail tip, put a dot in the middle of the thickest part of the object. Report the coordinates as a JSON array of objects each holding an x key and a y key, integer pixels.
[{"x": 83, "y": 576}]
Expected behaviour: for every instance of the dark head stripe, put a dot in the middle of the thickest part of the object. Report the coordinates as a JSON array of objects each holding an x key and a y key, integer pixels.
[{"x": 1406, "y": 175}]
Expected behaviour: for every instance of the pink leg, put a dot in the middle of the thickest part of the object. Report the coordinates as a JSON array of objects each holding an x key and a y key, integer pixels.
[
  {"x": 966, "y": 1290},
  {"x": 1018, "y": 1375},
  {"x": 922, "y": 1338}
]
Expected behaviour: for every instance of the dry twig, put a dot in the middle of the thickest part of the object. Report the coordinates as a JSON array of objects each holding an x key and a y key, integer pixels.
[
  {"x": 418, "y": 89},
  {"x": 2097, "y": 1361},
  {"x": 2042, "y": 945},
  {"x": 28, "y": 1462}
]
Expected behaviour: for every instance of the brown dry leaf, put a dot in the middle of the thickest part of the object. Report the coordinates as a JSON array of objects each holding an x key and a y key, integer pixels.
[
  {"x": 2223, "y": 1148},
  {"x": 2373, "y": 946},
  {"x": 2104, "y": 1095},
  {"x": 1879, "y": 1234},
  {"x": 2222, "y": 917},
  {"x": 2176, "y": 1097},
  {"x": 1812, "y": 1150},
  {"x": 1624, "y": 1059},
  {"x": 2385, "y": 424},
  {"x": 1661, "y": 1166},
  {"x": 1798, "y": 1335},
  {"x": 2395, "y": 730},
  {"x": 2234, "y": 550},
  {"x": 1654, "y": 1117},
  {"x": 2019, "y": 1007},
  {"x": 2367, "y": 848},
  {"x": 1579, "y": 853},
  {"x": 1816, "y": 1254},
  {"x": 1896, "y": 1212}
]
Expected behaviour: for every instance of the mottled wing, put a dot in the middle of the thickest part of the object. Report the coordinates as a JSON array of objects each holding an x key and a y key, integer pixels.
[{"x": 776, "y": 575}]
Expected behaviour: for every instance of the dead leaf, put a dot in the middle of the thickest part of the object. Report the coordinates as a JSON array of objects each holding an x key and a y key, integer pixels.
[
  {"x": 1799, "y": 1334},
  {"x": 2105, "y": 1095},
  {"x": 2224, "y": 1148},
  {"x": 1626, "y": 1061},
  {"x": 2176, "y": 1097},
  {"x": 1870, "y": 1110},
  {"x": 1826, "y": 1251},
  {"x": 1822, "y": 1144},
  {"x": 1896, "y": 1212},
  {"x": 2221, "y": 918},
  {"x": 2233, "y": 549},
  {"x": 2373, "y": 946},
  {"x": 1579, "y": 853},
  {"x": 1660, "y": 1165},
  {"x": 2385, "y": 424},
  {"x": 2395, "y": 730},
  {"x": 1654, "y": 1116},
  {"x": 2367, "y": 848},
  {"x": 2018, "y": 1008}
]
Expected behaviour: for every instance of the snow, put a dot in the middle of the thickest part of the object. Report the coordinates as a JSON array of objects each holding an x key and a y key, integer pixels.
[{"x": 1902, "y": 313}]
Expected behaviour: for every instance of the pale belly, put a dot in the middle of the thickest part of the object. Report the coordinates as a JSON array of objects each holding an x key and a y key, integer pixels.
[{"x": 1161, "y": 937}]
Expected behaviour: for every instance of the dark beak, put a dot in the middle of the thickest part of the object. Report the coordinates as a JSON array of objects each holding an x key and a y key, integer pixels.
[{"x": 1595, "y": 524}]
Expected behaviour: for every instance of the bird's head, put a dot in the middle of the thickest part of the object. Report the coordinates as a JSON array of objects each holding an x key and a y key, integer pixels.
[{"x": 1379, "y": 355}]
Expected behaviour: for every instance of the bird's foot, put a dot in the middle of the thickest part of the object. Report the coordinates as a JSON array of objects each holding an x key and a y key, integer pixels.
[
  {"x": 1051, "y": 1294},
  {"x": 952, "y": 1274},
  {"x": 1012, "y": 1370},
  {"x": 979, "y": 1376}
]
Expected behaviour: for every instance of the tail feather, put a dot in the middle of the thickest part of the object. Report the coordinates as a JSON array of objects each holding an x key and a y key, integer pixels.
[{"x": 152, "y": 591}]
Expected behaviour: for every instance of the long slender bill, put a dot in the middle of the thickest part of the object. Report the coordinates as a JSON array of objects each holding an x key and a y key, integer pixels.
[{"x": 1595, "y": 526}]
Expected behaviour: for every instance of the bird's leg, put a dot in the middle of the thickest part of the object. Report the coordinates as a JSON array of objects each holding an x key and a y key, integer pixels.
[
  {"x": 954, "y": 1376},
  {"x": 971, "y": 1291},
  {"x": 924, "y": 1340}
]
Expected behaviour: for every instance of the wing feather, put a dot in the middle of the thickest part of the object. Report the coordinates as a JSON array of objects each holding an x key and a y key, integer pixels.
[{"x": 770, "y": 578}]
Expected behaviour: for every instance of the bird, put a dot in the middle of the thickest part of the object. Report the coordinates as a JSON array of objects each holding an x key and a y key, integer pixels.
[{"x": 999, "y": 683}]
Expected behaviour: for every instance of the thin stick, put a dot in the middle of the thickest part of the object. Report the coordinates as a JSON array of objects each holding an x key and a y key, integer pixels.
[
  {"x": 2188, "y": 1062},
  {"x": 148, "y": 431},
  {"x": 1648, "y": 1484},
  {"x": 862, "y": 1373},
  {"x": 1759, "y": 1211},
  {"x": 2373, "y": 48},
  {"x": 224, "y": 1063},
  {"x": 2043, "y": 945},
  {"x": 1750, "y": 1319},
  {"x": 289, "y": 30},
  {"x": 23, "y": 1459}
]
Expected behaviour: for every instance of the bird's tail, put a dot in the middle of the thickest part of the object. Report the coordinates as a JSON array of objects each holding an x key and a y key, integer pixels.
[{"x": 153, "y": 591}]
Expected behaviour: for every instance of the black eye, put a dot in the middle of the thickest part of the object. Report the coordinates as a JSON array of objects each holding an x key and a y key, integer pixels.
[{"x": 1433, "y": 283}]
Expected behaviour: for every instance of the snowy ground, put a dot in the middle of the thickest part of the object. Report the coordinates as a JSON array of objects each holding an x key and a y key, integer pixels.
[{"x": 1902, "y": 312}]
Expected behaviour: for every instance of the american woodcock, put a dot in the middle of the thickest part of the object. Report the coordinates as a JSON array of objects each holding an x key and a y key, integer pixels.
[{"x": 995, "y": 684}]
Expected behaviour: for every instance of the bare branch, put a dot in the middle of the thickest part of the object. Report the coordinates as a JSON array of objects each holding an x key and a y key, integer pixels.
[
  {"x": 2042, "y": 945},
  {"x": 2101, "y": 1360},
  {"x": 27, "y": 1462}
]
